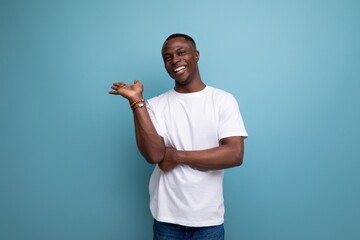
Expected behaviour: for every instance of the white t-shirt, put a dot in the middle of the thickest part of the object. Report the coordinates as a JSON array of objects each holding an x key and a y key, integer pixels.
[{"x": 192, "y": 121}]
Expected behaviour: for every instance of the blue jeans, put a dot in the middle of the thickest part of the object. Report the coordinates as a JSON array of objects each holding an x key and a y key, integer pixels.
[{"x": 169, "y": 231}]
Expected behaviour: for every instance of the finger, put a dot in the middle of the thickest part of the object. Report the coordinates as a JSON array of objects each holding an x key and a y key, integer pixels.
[
  {"x": 119, "y": 84},
  {"x": 115, "y": 84}
]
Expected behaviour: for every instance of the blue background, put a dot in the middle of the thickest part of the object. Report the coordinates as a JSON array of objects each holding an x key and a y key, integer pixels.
[{"x": 69, "y": 165}]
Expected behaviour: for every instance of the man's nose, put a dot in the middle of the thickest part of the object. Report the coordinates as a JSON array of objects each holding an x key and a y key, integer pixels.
[{"x": 175, "y": 60}]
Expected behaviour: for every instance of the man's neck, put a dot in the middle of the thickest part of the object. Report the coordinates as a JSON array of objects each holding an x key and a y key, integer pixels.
[{"x": 190, "y": 88}]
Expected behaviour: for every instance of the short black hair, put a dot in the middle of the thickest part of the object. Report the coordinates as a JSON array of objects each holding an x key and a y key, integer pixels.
[{"x": 187, "y": 37}]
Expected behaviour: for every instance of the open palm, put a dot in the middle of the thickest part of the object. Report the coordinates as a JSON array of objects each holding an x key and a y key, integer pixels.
[{"x": 130, "y": 92}]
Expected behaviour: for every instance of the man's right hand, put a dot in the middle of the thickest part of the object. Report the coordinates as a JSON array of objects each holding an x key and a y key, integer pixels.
[{"x": 130, "y": 92}]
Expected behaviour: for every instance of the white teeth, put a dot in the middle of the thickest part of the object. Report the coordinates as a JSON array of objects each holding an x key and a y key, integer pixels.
[{"x": 179, "y": 68}]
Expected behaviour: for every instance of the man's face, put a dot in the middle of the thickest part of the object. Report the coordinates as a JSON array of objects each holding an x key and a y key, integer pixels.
[{"x": 180, "y": 59}]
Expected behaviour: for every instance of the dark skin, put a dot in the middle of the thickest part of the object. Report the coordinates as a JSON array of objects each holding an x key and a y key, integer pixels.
[{"x": 180, "y": 59}]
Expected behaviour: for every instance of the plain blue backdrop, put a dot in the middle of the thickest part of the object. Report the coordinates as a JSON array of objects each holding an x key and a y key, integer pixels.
[{"x": 69, "y": 166}]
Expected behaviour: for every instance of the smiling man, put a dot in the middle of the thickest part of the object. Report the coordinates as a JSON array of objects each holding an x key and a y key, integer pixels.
[{"x": 192, "y": 133}]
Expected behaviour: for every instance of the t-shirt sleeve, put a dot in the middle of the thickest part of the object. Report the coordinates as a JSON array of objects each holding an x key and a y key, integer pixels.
[
  {"x": 230, "y": 119},
  {"x": 152, "y": 114}
]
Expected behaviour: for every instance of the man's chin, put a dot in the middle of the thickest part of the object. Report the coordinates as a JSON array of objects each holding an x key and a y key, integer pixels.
[{"x": 182, "y": 80}]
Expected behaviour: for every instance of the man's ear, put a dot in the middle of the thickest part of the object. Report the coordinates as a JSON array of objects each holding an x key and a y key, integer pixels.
[{"x": 197, "y": 55}]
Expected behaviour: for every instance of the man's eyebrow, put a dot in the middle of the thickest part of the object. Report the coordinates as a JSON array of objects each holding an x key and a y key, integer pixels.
[{"x": 177, "y": 49}]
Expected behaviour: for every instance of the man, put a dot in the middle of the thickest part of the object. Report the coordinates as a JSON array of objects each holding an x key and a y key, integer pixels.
[{"x": 191, "y": 133}]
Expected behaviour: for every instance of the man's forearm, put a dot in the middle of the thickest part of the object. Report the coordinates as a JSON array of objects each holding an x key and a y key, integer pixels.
[
  {"x": 221, "y": 157},
  {"x": 150, "y": 143},
  {"x": 228, "y": 154}
]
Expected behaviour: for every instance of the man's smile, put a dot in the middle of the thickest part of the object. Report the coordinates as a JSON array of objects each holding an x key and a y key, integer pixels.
[{"x": 179, "y": 69}]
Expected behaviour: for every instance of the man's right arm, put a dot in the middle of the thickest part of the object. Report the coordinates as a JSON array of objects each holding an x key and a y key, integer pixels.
[{"x": 150, "y": 143}]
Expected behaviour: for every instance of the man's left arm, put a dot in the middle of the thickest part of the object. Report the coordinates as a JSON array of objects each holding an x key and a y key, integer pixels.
[{"x": 229, "y": 154}]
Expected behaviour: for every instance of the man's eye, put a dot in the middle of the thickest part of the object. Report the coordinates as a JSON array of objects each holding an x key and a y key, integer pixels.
[{"x": 181, "y": 53}]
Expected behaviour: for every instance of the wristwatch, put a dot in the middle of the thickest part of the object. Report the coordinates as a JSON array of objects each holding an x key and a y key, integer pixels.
[{"x": 138, "y": 105}]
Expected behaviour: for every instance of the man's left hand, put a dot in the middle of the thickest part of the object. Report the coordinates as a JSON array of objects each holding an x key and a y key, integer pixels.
[{"x": 169, "y": 162}]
